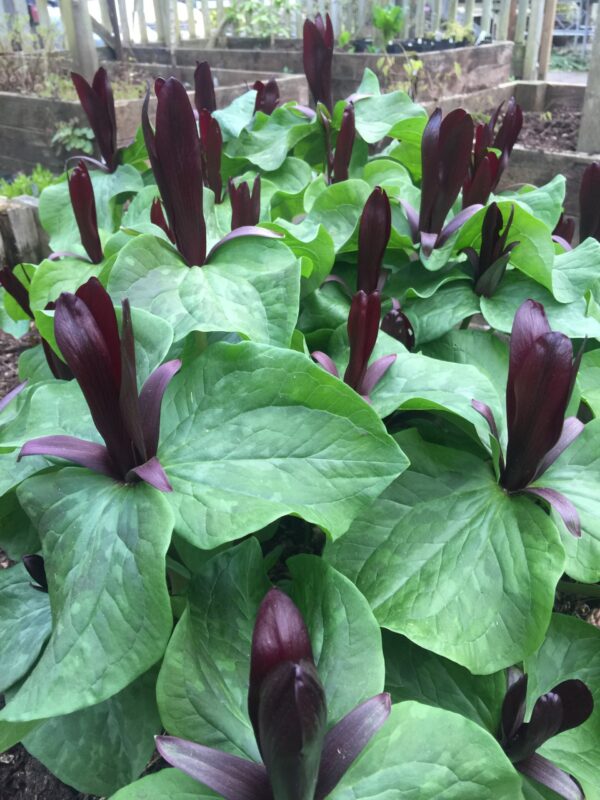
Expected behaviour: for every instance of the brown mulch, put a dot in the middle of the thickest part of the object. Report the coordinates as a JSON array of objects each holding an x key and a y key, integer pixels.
[{"x": 554, "y": 131}]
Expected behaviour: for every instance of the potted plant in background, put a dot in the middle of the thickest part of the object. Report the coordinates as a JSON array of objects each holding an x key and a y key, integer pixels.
[{"x": 389, "y": 21}]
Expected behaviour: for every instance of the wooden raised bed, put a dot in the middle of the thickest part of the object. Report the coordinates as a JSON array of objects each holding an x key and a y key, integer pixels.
[{"x": 27, "y": 123}]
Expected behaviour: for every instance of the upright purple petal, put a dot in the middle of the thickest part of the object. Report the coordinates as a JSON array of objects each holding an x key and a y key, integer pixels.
[
  {"x": 98, "y": 301},
  {"x": 529, "y": 324},
  {"x": 158, "y": 218},
  {"x": 211, "y": 141},
  {"x": 589, "y": 203},
  {"x": 128, "y": 392},
  {"x": 292, "y": 719},
  {"x": 513, "y": 708},
  {"x": 373, "y": 236},
  {"x": 317, "y": 51},
  {"x": 175, "y": 156},
  {"x": 13, "y": 286},
  {"x": 541, "y": 389},
  {"x": 280, "y": 634},
  {"x": 86, "y": 352},
  {"x": 363, "y": 327},
  {"x": 577, "y": 703},
  {"x": 347, "y": 739},
  {"x": 508, "y": 134},
  {"x": 267, "y": 96},
  {"x": 34, "y": 564},
  {"x": 565, "y": 228},
  {"x": 429, "y": 169},
  {"x": 344, "y": 144},
  {"x": 397, "y": 325},
  {"x": 81, "y": 192},
  {"x": 232, "y": 777},
  {"x": 245, "y": 204},
  {"x": 99, "y": 106},
  {"x": 544, "y": 724},
  {"x": 204, "y": 94}
]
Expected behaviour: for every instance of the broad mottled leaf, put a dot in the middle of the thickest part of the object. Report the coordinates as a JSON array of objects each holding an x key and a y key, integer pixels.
[
  {"x": 576, "y": 474},
  {"x": 250, "y": 286},
  {"x": 428, "y": 753},
  {"x": 251, "y": 433},
  {"x": 572, "y": 319},
  {"x": 413, "y": 673},
  {"x": 203, "y": 684},
  {"x": 25, "y": 624},
  {"x": 104, "y": 546},
  {"x": 99, "y": 749},
  {"x": 440, "y": 538},
  {"x": 168, "y": 783}
]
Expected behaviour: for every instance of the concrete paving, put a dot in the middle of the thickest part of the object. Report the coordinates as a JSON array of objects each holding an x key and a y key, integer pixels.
[{"x": 562, "y": 76}]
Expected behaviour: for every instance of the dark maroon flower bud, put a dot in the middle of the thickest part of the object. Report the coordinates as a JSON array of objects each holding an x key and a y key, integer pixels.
[
  {"x": 17, "y": 290},
  {"x": 374, "y": 232},
  {"x": 566, "y": 706},
  {"x": 489, "y": 264},
  {"x": 211, "y": 143},
  {"x": 318, "y": 41},
  {"x": 343, "y": 146},
  {"x": 445, "y": 157},
  {"x": 279, "y": 635},
  {"x": 481, "y": 180},
  {"x": 103, "y": 363},
  {"x": 541, "y": 377},
  {"x": 564, "y": 229},
  {"x": 397, "y": 325},
  {"x": 267, "y": 96},
  {"x": 204, "y": 94},
  {"x": 292, "y": 719},
  {"x": 287, "y": 707},
  {"x": 157, "y": 218},
  {"x": 99, "y": 106},
  {"x": 81, "y": 191},
  {"x": 245, "y": 204},
  {"x": 363, "y": 327},
  {"x": 176, "y": 159},
  {"x": 508, "y": 134},
  {"x": 589, "y": 203},
  {"x": 486, "y": 167},
  {"x": 34, "y": 565}
]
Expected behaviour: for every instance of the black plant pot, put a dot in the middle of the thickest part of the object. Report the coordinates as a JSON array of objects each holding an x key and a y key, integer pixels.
[
  {"x": 361, "y": 45},
  {"x": 446, "y": 44},
  {"x": 393, "y": 48}
]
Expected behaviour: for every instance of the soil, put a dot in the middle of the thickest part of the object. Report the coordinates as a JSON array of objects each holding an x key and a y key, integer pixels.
[
  {"x": 9, "y": 353},
  {"x": 22, "y": 777},
  {"x": 550, "y": 131}
]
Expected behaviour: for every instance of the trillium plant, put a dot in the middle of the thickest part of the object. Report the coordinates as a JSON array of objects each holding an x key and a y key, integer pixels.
[
  {"x": 288, "y": 710},
  {"x": 300, "y": 472}
]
